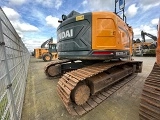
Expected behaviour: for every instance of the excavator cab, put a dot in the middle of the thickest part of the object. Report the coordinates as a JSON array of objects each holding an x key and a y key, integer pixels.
[
  {"x": 52, "y": 52},
  {"x": 52, "y": 47}
]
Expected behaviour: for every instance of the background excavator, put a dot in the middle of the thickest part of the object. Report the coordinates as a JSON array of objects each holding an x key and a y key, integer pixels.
[
  {"x": 150, "y": 99},
  {"x": 90, "y": 49},
  {"x": 143, "y": 47}
]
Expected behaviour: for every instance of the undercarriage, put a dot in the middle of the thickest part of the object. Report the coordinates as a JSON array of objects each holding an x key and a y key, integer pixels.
[{"x": 84, "y": 85}]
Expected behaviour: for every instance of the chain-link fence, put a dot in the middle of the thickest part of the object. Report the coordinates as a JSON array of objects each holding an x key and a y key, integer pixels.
[{"x": 14, "y": 60}]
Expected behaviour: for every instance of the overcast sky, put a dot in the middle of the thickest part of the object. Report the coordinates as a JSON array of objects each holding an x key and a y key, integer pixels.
[{"x": 36, "y": 20}]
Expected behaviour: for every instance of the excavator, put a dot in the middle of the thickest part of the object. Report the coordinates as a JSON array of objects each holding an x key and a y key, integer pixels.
[
  {"x": 94, "y": 51},
  {"x": 143, "y": 47},
  {"x": 150, "y": 98},
  {"x": 151, "y": 45}
]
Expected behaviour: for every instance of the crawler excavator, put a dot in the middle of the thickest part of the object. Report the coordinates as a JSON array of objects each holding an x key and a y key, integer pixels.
[
  {"x": 148, "y": 47},
  {"x": 90, "y": 48},
  {"x": 150, "y": 98},
  {"x": 145, "y": 48}
]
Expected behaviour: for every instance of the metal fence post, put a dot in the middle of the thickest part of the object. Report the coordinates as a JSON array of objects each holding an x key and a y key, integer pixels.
[
  {"x": 23, "y": 55},
  {"x": 12, "y": 107}
]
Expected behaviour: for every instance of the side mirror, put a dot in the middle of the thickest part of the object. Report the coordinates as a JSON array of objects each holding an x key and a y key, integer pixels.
[
  {"x": 121, "y": 4},
  {"x": 60, "y": 21}
]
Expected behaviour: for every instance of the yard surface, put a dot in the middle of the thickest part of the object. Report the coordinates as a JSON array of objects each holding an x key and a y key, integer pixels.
[{"x": 43, "y": 103}]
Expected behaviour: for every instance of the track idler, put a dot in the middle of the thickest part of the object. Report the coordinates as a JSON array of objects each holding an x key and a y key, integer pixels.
[{"x": 53, "y": 69}]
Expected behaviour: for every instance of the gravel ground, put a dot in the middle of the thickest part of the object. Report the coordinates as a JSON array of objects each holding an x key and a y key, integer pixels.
[{"x": 42, "y": 102}]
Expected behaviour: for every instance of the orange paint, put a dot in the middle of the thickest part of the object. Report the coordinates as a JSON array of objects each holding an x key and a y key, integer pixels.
[
  {"x": 110, "y": 32},
  {"x": 158, "y": 47}
]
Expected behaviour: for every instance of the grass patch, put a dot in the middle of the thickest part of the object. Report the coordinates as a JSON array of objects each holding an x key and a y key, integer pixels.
[{"x": 3, "y": 105}]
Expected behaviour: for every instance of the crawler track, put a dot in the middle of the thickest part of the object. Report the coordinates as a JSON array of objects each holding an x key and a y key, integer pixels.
[
  {"x": 150, "y": 99},
  {"x": 69, "y": 80}
]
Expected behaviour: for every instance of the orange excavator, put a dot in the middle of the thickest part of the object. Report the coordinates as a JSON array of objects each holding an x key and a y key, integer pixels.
[
  {"x": 150, "y": 98},
  {"x": 94, "y": 51},
  {"x": 143, "y": 47}
]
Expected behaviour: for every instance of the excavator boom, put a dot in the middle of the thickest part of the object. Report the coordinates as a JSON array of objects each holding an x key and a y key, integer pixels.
[{"x": 149, "y": 35}]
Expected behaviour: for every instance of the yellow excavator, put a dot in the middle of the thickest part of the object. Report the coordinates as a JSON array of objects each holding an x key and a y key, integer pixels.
[
  {"x": 150, "y": 98},
  {"x": 94, "y": 51}
]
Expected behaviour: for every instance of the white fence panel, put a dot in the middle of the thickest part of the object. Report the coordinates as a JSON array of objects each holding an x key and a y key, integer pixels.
[{"x": 14, "y": 61}]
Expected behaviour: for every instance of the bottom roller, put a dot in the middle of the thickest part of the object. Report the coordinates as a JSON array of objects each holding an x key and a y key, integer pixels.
[{"x": 150, "y": 99}]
